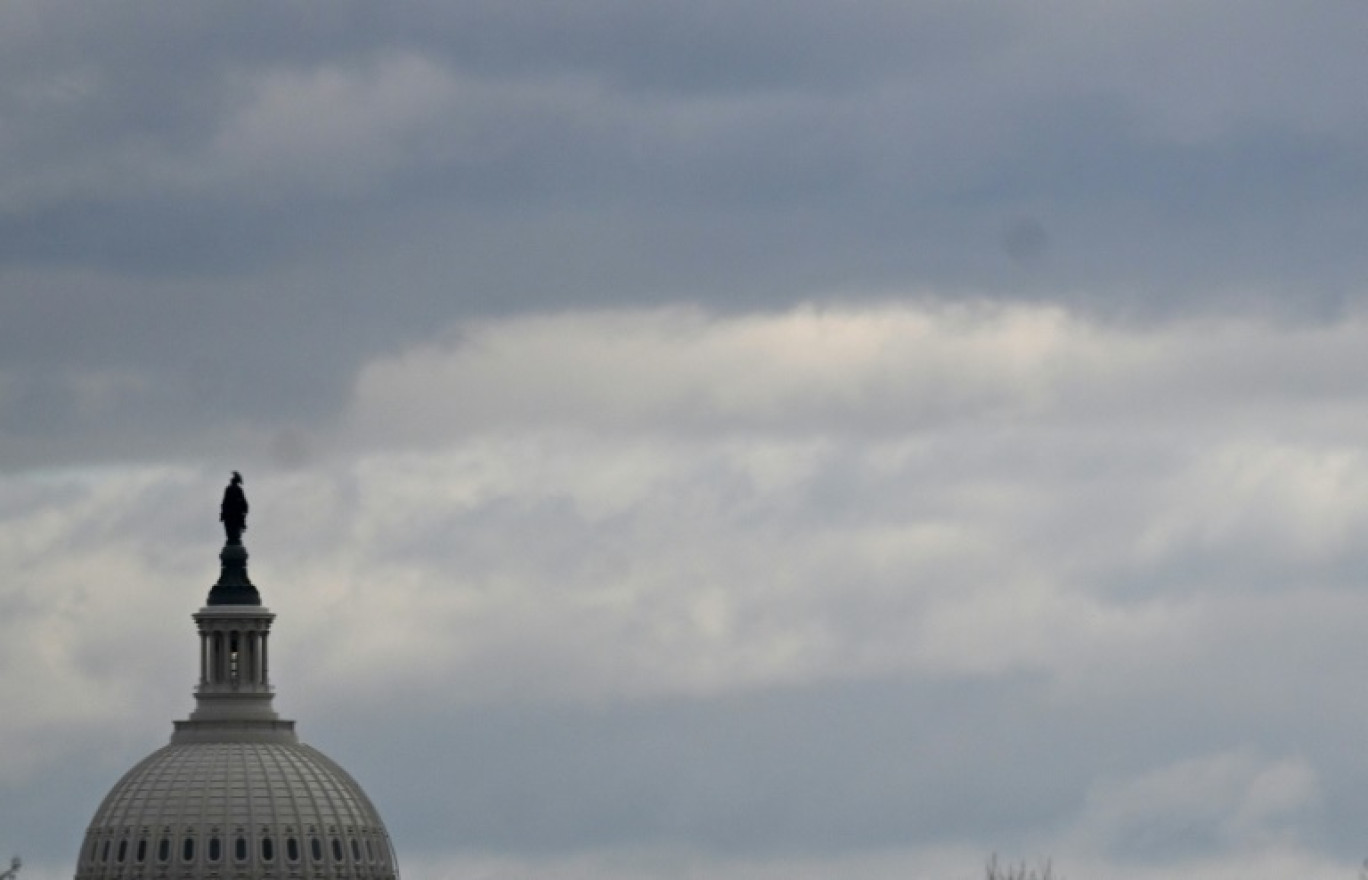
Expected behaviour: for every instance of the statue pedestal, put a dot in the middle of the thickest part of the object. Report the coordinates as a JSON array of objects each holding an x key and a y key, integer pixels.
[{"x": 233, "y": 587}]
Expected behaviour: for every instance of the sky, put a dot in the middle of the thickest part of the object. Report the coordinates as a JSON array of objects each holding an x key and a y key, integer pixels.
[{"x": 704, "y": 440}]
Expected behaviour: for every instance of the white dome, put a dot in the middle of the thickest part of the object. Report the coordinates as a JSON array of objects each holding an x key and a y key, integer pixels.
[
  {"x": 235, "y": 796},
  {"x": 236, "y": 809}
]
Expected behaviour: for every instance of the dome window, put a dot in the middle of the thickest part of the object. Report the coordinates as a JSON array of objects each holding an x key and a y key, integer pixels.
[
  {"x": 123, "y": 850},
  {"x": 142, "y": 851},
  {"x": 267, "y": 849},
  {"x": 233, "y": 657},
  {"x": 104, "y": 853},
  {"x": 292, "y": 849},
  {"x": 215, "y": 849},
  {"x": 240, "y": 849},
  {"x": 164, "y": 850},
  {"x": 188, "y": 849},
  {"x": 316, "y": 849},
  {"x": 356, "y": 850},
  {"x": 370, "y": 850}
]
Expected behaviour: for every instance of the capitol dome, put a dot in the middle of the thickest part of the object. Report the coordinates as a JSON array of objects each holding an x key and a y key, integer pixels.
[{"x": 235, "y": 795}]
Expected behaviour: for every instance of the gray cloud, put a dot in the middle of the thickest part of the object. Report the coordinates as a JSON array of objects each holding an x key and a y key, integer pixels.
[
  {"x": 742, "y": 440},
  {"x": 278, "y": 193},
  {"x": 744, "y": 613}
]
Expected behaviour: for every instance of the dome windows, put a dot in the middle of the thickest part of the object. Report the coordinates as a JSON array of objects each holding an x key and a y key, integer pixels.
[
  {"x": 188, "y": 848},
  {"x": 292, "y": 849}
]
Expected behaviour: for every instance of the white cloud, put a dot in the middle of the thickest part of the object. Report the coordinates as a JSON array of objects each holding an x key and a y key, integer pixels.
[
  {"x": 647, "y": 502},
  {"x": 630, "y": 502},
  {"x": 85, "y": 601},
  {"x": 895, "y": 368},
  {"x": 657, "y": 370},
  {"x": 639, "y": 506}
]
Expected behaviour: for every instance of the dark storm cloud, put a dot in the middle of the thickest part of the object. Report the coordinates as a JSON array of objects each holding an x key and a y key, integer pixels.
[
  {"x": 274, "y": 192},
  {"x": 888, "y": 142}
]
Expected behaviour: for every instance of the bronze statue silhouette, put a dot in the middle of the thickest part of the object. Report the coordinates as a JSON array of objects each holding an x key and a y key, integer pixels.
[{"x": 233, "y": 510}]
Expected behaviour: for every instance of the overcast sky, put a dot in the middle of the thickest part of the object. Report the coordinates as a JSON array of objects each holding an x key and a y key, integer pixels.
[{"x": 705, "y": 440}]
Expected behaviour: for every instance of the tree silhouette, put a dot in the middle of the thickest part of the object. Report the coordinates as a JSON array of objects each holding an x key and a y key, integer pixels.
[{"x": 1022, "y": 871}]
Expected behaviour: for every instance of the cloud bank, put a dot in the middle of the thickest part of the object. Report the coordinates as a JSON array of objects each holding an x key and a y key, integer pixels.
[
  {"x": 738, "y": 440},
  {"x": 709, "y": 591}
]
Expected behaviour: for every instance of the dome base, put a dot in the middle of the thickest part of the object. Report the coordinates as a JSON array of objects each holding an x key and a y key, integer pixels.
[{"x": 234, "y": 731}]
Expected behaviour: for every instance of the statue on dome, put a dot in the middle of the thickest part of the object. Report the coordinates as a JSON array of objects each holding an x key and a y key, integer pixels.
[{"x": 233, "y": 510}]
